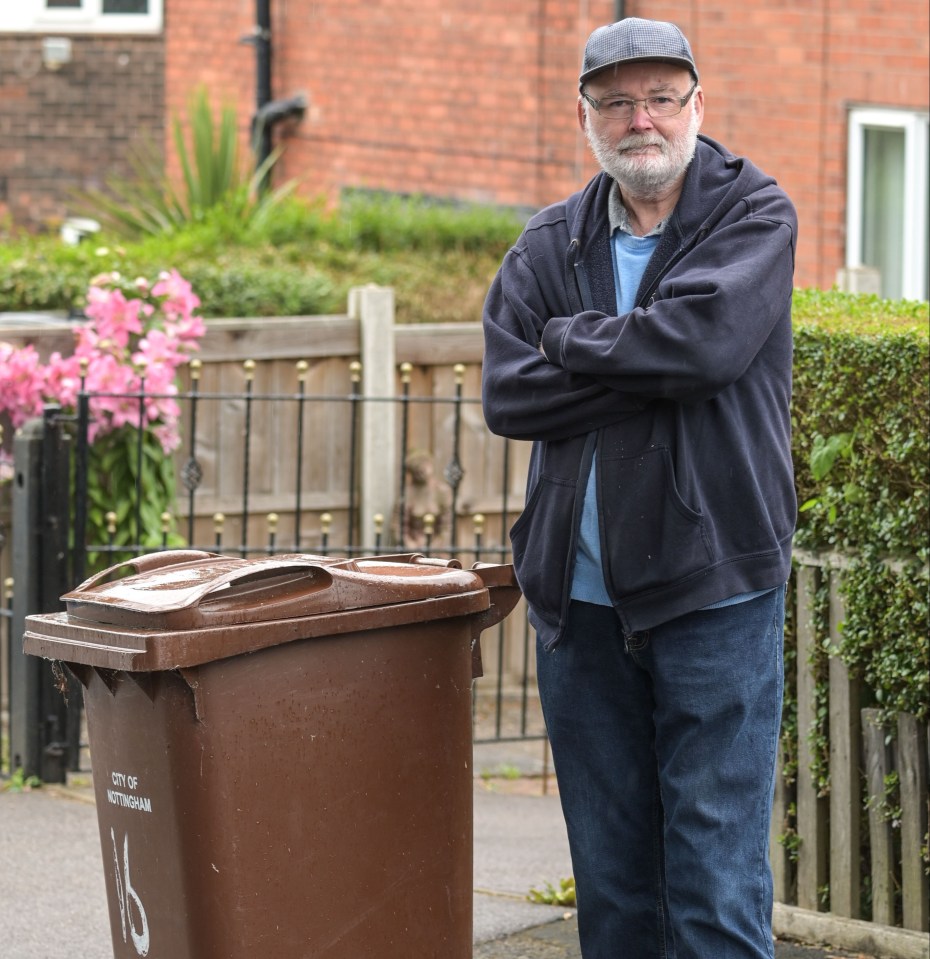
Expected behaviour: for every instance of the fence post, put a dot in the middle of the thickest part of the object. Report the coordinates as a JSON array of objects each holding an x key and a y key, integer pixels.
[
  {"x": 911, "y": 761},
  {"x": 373, "y": 307},
  {"x": 845, "y": 786},
  {"x": 40, "y": 722},
  {"x": 812, "y": 809},
  {"x": 878, "y": 766}
]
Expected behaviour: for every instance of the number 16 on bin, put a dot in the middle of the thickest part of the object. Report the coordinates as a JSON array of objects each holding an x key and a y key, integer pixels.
[{"x": 129, "y": 898}]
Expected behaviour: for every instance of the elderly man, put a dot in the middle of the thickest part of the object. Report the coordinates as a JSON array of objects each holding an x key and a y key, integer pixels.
[{"x": 639, "y": 334}]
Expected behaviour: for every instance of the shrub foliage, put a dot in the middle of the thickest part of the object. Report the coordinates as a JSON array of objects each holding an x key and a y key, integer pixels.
[{"x": 860, "y": 411}]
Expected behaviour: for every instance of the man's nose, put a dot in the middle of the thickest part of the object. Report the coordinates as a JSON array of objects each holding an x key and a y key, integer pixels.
[{"x": 640, "y": 119}]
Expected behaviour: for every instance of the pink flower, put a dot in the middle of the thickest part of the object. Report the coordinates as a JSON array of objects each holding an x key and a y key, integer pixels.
[
  {"x": 167, "y": 434},
  {"x": 188, "y": 329},
  {"x": 111, "y": 409},
  {"x": 22, "y": 381},
  {"x": 180, "y": 300},
  {"x": 115, "y": 317},
  {"x": 135, "y": 329},
  {"x": 63, "y": 379},
  {"x": 158, "y": 348}
]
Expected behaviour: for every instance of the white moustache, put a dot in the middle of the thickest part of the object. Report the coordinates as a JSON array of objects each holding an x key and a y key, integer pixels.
[{"x": 638, "y": 141}]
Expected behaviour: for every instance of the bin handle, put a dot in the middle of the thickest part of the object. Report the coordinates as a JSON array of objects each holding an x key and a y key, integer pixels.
[
  {"x": 144, "y": 564},
  {"x": 503, "y": 591},
  {"x": 233, "y": 590},
  {"x": 408, "y": 559}
]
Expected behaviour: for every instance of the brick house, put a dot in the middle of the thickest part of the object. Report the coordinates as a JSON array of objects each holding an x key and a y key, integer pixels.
[{"x": 478, "y": 103}]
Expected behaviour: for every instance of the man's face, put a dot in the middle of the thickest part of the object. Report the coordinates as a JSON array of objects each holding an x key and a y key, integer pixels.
[{"x": 646, "y": 155}]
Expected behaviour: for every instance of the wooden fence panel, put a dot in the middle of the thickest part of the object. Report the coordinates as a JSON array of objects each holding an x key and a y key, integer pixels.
[
  {"x": 911, "y": 757},
  {"x": 811, "y": 808},
  {"x": 878, "y": 762},
  {"x": 845, "y": 778}
]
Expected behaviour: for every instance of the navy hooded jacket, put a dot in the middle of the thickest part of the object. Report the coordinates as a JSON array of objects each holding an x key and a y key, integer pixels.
[{"x": 686, "y": 397}]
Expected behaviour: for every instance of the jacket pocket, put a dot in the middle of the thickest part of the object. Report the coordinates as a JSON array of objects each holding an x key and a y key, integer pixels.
[
  {"x": 653, "y": 537},
  {"x": 540, "y": 540}
]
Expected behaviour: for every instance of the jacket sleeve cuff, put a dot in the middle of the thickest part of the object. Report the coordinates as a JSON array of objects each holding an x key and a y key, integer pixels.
[{"x": 552, "y": 336}]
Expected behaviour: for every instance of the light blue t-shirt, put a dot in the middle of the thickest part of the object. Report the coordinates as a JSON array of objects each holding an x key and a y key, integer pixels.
[{"x": 630, "y": 256}]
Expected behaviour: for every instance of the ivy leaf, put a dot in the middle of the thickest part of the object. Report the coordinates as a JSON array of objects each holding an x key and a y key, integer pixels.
[{"x": 825, "y": 453}]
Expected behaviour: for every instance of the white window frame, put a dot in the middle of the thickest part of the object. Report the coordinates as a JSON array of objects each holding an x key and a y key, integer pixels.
[
  {"x": 914, "y": 124},
  {"x": 32, "y": 16}
]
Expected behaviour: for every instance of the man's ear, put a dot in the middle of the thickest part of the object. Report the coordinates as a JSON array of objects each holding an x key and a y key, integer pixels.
[
  {"x": 699, "y": 105},
  {"x": 582, "y": 112}
]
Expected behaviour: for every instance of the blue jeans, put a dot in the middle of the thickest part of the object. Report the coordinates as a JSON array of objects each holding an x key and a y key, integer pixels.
[{"x": 664, "y": 745}]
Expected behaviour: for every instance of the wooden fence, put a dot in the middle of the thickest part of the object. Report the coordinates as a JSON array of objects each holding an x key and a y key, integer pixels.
[
  {"x": 838, "y": 851},
  {"x": 858, "y": 847}
]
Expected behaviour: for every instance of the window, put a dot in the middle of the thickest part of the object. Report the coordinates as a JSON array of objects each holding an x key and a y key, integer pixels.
[
  {"x": 82, "y": 16},
  {"x": 886, "y": 205}
]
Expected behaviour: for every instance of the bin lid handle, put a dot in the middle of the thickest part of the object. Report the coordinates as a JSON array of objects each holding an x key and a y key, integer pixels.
[
  {"x": 188, "y": 589},
  {"x": 143, "y": 564}
]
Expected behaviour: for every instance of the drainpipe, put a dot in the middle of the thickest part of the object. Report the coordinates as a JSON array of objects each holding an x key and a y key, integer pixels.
[
  {"x": 262, "y": 131},
  {"x": 268, "y": 112}
]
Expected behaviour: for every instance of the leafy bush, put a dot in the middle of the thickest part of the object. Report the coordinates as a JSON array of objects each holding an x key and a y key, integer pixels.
[
  {"x": 389, "y": 223},
  {"x": 860, "y": 413},
  {"x": 238, "y": 284}
]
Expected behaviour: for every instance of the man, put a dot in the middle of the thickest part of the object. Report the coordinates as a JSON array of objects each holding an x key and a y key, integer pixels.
[{"x": 639, "y": 334}]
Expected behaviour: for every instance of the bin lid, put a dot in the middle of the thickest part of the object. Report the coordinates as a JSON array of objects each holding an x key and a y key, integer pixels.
[{"x": 178, "y": 608}]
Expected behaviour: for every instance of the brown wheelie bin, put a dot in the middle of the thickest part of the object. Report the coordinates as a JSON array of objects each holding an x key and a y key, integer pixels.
[{"x": 281, "y": 750}]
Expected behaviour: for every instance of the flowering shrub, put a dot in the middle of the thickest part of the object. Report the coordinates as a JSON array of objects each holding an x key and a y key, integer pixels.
[{"x": 136, "y": 336}]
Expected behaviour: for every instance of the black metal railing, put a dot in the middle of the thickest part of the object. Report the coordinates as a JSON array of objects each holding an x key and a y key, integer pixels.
[{"x": 506, "y": 708}]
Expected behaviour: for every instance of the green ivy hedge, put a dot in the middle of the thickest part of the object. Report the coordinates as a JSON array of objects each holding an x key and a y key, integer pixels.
[{"x": 860, "y": 421}]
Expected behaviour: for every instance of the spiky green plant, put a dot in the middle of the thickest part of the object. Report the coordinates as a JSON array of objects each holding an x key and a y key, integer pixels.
[{"x": 149, "y": 203}]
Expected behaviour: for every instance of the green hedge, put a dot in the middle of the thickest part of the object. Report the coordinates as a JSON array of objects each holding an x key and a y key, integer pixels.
[
  {"x": 860, "y": 417},
  {"x": 299, "y": 259},
  {"x": 45, "y": 276}
]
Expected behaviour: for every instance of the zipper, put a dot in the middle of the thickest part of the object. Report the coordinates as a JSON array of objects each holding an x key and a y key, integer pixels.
[
  {"x": 579, "y": 296},
  {"x": 573, "y": 270}
]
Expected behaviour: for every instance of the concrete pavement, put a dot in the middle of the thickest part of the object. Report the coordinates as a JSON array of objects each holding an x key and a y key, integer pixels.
[{"x": 53, "y": 901}]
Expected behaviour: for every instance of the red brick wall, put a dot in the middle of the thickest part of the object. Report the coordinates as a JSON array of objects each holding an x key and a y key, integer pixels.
[
  {"x": 412, "y": 95},
  {"x": 69, "y": 128},
  {"x": 477, "y": 101},
  {"x": 474, "y": 101},
  {"x": 779, "y": 80},
  {"x": 204, "y": 47}
]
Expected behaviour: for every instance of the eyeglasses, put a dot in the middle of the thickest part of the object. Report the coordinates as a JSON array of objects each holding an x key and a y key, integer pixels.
[{"x": 623, "y": 108}]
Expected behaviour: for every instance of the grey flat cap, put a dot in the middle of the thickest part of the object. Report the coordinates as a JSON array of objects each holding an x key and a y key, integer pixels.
[{"x": 633, "y": 40}]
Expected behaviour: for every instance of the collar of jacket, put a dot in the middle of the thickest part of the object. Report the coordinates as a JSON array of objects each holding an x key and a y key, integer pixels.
[{"x": 714, "y": 181}]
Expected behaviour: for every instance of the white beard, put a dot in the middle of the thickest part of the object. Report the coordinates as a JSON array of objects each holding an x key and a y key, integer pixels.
[{"x": 645, "y": 176}]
